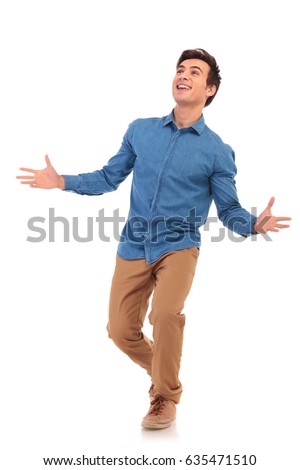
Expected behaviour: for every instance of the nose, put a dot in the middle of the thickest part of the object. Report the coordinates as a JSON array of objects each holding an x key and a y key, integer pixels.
[{"x": 183, "y": 76}]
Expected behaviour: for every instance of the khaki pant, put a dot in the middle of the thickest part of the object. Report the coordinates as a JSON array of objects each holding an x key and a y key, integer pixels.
[{"x": 170, "y": 279}]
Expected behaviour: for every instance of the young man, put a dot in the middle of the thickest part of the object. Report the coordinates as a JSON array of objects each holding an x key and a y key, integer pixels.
[{"x": 179, "y": 166}]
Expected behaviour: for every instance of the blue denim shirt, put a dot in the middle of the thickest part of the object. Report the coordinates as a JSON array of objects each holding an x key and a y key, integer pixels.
[{"x": 176, "y": 175}]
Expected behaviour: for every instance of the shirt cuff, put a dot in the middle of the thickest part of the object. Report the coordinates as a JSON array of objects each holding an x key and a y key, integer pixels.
[{"x": 71, "y": 182}]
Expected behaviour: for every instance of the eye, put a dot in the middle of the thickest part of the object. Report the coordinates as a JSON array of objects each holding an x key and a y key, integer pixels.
[
  {"x": 195, "y": 72},
  {"x": 179, "y": 71}
]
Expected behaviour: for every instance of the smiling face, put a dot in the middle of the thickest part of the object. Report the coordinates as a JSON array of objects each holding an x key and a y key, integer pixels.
[{"x": 190, "y": 83}]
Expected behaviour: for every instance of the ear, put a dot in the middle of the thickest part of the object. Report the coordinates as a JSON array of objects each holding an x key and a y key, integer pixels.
[{"x": 211, "y": 90}]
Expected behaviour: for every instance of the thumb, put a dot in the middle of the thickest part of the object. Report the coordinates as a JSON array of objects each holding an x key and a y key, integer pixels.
[
  {"x": 271, "y": 202},
  {"x": 48, "y": 163}
]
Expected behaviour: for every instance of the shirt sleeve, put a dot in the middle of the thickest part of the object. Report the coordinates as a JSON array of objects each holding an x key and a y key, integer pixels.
[
  {"x": 223, "y": 187},
  {"x": 111, "y": 175}
]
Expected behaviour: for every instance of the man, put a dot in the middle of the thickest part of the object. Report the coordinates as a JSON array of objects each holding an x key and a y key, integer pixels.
[{"x": 179, "y": 166}]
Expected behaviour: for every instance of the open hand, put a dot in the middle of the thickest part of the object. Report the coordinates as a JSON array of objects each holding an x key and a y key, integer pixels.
[
  {"x": 267, "y": 222},
  {"x": 47, "y": 178}
]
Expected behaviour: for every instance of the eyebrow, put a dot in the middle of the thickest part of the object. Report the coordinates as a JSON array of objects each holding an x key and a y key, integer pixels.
[{"x": 191, "y": 67}]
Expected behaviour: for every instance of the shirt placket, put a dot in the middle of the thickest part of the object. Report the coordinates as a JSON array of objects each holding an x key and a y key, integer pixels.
[{"x": 160, "y": 183}]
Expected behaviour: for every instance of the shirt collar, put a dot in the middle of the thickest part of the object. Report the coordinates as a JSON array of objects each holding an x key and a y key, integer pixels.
[{"x": 198, "y": 126}]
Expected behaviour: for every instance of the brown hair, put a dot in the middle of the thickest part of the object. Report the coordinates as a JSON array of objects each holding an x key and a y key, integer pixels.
[{"x": 213, "y": 77}]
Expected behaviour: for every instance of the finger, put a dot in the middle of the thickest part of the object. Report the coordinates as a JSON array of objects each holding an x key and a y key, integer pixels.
[
  {"x": 28, "y": 169},
  {"x": 283, "y": 218},
  {"x": 271, "y": 202},
  {"x": 282, "y": 226},
  {"x": 25, "y": 177},
  {"x": 27, "y": 182}
]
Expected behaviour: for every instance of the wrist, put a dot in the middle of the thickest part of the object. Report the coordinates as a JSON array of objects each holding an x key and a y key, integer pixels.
[
  {"x": 255, "y": 228},
  {"x": 61, "y": 182}
]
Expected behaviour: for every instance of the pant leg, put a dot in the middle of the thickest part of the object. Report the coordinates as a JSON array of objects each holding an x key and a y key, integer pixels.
[
  {"x": 132, "y": 285},
  {"x": 174, "y": 275}
]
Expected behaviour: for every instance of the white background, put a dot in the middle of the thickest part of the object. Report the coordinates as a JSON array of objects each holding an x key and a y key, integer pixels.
[{"x": 73, "y": 75}]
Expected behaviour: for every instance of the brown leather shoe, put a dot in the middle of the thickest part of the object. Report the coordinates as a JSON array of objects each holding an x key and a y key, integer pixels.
[{"x": 161, "y": 414}]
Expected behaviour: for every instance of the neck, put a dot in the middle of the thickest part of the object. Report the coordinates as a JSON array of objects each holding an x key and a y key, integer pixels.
[{"x": 186, "y": 117}]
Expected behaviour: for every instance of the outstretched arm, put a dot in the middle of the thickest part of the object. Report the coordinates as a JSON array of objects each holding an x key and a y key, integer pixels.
[
  {"x": 93, "y": 183},
  {"x": 47, "y": 178},
  {"x": 267, "y": 222}
]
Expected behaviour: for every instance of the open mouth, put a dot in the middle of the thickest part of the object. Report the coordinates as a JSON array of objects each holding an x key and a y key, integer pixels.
[{"x": 183, "y": 87}]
